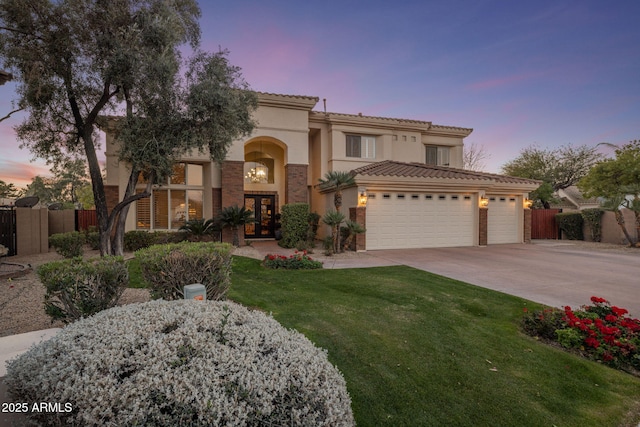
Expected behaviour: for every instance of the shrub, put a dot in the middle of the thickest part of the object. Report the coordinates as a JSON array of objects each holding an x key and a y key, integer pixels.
[
  {"x": 601, "y": 332},
  {"x": 199, "y": 229},
  {"x": 593, "y": 218},
  {"x": 542, "y": 323},
  {"x": 177, "y": 363},
  {"x": 607, "y": 335},
  {"x": 69, "y": 245},
  {"x": 77, "y": 288},
  {"x": 297, "y": 261},
  {"x": 327, "y": 245},
  {"x": 164, "y": 237},
  {"x": 168, "y": 268},
  {"x": 348, "y": 233},
  {"x": 138, "y": 239},
  {"x": 295, "y": 224},
  {"x": 571, "y": 224},
  {"x": 93, "y": 239},
  {"x": 313, "y": 220}
]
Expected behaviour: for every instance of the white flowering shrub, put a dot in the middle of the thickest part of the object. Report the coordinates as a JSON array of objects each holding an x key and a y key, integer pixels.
[{"x": 181, "y": 363}]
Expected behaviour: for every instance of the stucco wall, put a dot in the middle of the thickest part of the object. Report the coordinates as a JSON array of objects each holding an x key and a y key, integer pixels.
[{"x": 611, "y": 231}]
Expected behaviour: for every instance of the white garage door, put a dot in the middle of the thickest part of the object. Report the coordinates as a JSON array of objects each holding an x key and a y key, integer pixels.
[
  {"x": 503, "y": 220},
  {"x": 410, "y": 220}
]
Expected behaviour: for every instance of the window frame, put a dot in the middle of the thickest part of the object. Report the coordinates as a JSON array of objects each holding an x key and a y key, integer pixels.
[
  {"x": 147, "y": 217},
  {"x": 360, "y": 146},
  {"x": 441, "y": 154}
]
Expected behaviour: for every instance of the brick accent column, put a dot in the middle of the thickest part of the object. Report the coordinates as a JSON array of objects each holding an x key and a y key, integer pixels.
[
  {"x": 216, "y": 202},
  {"x": 359, "y": 215},
  {"x": 232, "y": 192},
  {"x": 295, "y": 183},
  {"x": 483, "y": 225},
  {"x": 527, "y": 225},
  {"x": 112, "y": 196}
]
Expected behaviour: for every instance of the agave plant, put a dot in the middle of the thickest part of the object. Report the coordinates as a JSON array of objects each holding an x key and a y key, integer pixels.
[
  {"x": 235, "y": 217},
  {"x": 199, "y": 227}
]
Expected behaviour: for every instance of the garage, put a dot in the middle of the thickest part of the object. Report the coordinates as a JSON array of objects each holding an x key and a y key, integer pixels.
[
  {"x": 503, "y": 220},
  {"x": 420, "y": 220}
]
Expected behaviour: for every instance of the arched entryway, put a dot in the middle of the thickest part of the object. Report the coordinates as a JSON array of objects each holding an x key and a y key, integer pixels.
[{"x": 264, "y": 183}]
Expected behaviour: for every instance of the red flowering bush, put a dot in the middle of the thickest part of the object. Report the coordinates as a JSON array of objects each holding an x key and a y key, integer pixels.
[
  {"x": 297, "y": 261},
  {"x": 600, "y": 331}
]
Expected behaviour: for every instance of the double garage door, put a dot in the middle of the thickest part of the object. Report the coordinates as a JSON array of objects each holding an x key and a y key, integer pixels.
[
  {"x": 417, "y": 220},
  {"x": 434, "y": 220}
]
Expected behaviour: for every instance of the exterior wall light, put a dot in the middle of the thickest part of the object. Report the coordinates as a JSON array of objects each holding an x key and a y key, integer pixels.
[
  {"x": 484, "y": 202},
  {"x": 528, "y": 203},
  {"x": 362, "y": 199}
]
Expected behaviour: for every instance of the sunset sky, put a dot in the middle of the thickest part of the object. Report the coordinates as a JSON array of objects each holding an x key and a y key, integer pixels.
[{"x": 549, "y": 73}]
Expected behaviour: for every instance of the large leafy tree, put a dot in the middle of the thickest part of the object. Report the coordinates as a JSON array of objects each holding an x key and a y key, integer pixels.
[
  {"x": 9, "y": 191},
  {"x": 77, "y": 60},
  {"x": 617, "y": 182},
  {"x": 557, "y": 168},
  {"x": 68, "y": 183}
]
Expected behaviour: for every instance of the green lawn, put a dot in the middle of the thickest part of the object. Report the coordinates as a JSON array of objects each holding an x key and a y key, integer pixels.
[{"x": 420, "y": 349}]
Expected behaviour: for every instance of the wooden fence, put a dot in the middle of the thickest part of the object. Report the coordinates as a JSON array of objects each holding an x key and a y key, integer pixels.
[
  {"x": 86, "y": 219},
  {"x": 543, "y": 224},
  {"x": 8, "y": 229}
]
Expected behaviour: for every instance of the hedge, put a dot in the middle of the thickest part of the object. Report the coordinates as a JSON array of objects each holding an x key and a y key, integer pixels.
[
  {"x": 295, "y": 224},
  {"x": 571, "y": 225}
]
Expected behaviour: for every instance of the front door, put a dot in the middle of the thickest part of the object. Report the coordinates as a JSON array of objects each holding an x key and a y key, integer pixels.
[{"x": 263, "y": 208}]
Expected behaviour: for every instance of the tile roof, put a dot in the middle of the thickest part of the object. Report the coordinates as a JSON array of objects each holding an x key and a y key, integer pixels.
[
  {"x": 282, "y": 95},
  {"x": 420, "y": 170}
]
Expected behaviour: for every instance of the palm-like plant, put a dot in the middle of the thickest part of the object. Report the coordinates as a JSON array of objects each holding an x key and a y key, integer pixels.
[
  {"x": 199, "y": 227},
  {"x": 333, "y": 219},
  {"x": 235, "y": 217},
  {"x": 352, "y": 228},
  {"x": 337, "y": 180}
]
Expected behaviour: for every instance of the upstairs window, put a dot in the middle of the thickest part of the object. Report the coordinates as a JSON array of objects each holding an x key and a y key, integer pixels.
[
  {"x": 437, "y": 156},
  {"x": 361, "y": 146}
]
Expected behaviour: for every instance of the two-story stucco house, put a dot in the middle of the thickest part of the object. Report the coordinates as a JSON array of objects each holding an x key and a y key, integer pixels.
[{"x": 417, "y": 194}]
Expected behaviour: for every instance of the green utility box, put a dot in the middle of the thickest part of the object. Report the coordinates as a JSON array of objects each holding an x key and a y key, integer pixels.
[{"x": 195, "y": 291}]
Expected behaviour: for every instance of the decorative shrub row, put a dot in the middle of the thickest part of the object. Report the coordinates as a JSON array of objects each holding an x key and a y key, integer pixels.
[
  {"x": 77, "y": 288},
  {"x": 168, "y": 268},
  {"x": 140, "y": 239},
  {"x": 593, "y": 219},
  {"x": 571, "y": 224},
  {"x": 600, "y": 332},
  {"x": 297, "y": 261},
  {"x": 69, "y": 245},
  {"x": 178, "y": 363}
]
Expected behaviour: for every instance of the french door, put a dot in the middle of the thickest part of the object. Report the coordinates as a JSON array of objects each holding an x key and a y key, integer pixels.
[{"x": 263, "y": 208}]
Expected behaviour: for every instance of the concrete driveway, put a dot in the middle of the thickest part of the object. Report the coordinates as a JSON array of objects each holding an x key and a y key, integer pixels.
[{"x": 550, "y": 272}]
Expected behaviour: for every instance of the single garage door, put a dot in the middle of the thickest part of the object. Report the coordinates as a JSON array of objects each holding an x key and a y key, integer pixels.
[
  {"x": 416, "y": 220},
  {"x": 503, "y": 220}
]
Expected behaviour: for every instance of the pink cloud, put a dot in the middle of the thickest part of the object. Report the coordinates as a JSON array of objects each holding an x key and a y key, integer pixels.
[
  {"x": 504, "y": 81},
  {"x": 20, "y": 174}
]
